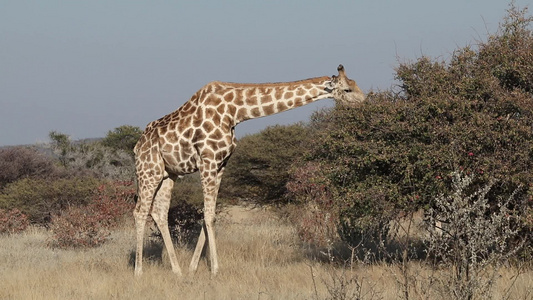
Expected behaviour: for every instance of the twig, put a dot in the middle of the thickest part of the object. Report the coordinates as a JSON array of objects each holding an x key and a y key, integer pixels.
[{"x": 314, "y": 283}]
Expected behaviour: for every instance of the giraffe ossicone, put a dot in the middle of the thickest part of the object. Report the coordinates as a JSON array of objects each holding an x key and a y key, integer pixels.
[{"x": 199, "y": 136}]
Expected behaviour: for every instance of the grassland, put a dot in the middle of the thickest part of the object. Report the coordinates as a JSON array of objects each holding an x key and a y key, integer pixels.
[{"x": 260, "y": 258}]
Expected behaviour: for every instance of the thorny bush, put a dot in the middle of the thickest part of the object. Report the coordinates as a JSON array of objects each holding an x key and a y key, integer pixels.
[{"x": 397, "y": 151}]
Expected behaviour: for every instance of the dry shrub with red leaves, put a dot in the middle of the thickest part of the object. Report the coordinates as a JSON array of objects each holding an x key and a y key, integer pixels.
[
  {"x": 90, "y": 225},
  {"x": 13, "y": 221}
]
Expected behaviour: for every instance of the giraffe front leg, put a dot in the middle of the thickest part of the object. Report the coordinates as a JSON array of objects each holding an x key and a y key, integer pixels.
[
  {"x": 201, "y": 238},
  {"x": 160, "y": 215},
  {"x": 209, "y": 219},
  {"x": 210, "y": 175}
]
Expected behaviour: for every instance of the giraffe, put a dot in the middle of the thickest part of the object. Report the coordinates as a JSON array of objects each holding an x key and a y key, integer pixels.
[{"x": 199, "y": 136}]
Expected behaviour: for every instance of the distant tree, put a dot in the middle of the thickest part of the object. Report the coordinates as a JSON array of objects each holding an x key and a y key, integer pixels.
[
  {"x": 123, "y": 138},
  {"x": 61, "y": 145},
  {"x": 59, "y": 139}
]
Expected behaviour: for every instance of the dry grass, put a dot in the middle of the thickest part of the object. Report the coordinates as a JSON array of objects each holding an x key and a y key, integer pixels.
[{"x": 259, "y": 255}]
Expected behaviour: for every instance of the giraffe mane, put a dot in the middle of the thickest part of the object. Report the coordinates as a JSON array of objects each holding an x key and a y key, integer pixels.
[{"x": 274, "y": 84}]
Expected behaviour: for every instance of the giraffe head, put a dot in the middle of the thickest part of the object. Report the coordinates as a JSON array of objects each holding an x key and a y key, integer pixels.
[{"x": 345, "y": 90}]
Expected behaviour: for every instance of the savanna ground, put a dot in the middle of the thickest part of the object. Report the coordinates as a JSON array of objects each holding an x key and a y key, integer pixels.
[{"x": 260, "y": 256}]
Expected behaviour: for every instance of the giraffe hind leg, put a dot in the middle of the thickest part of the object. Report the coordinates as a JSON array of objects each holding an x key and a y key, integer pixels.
[
  {"x": 146, "y": 192},
  {"x": 159, "y": 213},
  {"x": 147, "y": 189},
  {"x": 140, "y": 222}
]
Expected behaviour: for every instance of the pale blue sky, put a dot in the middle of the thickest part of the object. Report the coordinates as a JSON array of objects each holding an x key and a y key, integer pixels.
[{"x": 85, "y": 67}]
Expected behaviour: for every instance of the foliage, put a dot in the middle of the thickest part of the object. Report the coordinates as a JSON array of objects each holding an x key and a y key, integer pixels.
[
  {"x": 509, "y": 51},
  {"x": 61, "y": 145},
  {"x": 89, "y": 225},
  {"x": 40, "y": 188},
  {"x": 397, "y": 151},
  {"x": 103, "y": 161},
  {"x": 12, "y": 221},
  {"x": 188, "y": 189},
  {"x": 93, "y": 158},
  {"x": 39, "y": 199},
  {"x": 123, "y": 138},
  {"x": 114, "y": 200},
  {"x": 78, "y": 227},
  {"x": 24, "y": 162},
  {"x": 258, "y": 170}
]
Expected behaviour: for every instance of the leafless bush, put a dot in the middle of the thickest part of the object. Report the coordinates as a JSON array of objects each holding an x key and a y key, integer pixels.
[
  {"x": 106, "y": 162},
  {"x": 478, "y": 238},
  {"x": 92, "y": 157},
  {"x": 349, "y": 285},
  {"x": 22, "y": 162}
]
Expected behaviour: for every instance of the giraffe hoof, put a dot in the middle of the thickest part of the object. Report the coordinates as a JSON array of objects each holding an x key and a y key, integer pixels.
[{"x": 177, "y": 272}]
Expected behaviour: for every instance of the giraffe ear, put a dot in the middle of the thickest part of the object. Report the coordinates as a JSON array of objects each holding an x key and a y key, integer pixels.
[{"x": 329, "y": 84}]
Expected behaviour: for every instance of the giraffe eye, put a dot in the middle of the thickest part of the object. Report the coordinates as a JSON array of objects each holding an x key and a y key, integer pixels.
[{"x": 347, "y": 90}]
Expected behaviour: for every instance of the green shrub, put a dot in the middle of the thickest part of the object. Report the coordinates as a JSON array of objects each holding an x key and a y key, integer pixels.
[
  {"x": 103, "y": 162},
  {"x": 39, "y": 199},
  {"x": 258, "y": 170},
  {"x": 123, "y": 138},
  {"x": 188, "y": 189},
  {"x": 398, "y": 150}
]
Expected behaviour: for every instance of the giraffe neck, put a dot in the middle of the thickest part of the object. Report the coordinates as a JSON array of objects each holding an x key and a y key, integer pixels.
[{"x": 258, "y": 100}]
